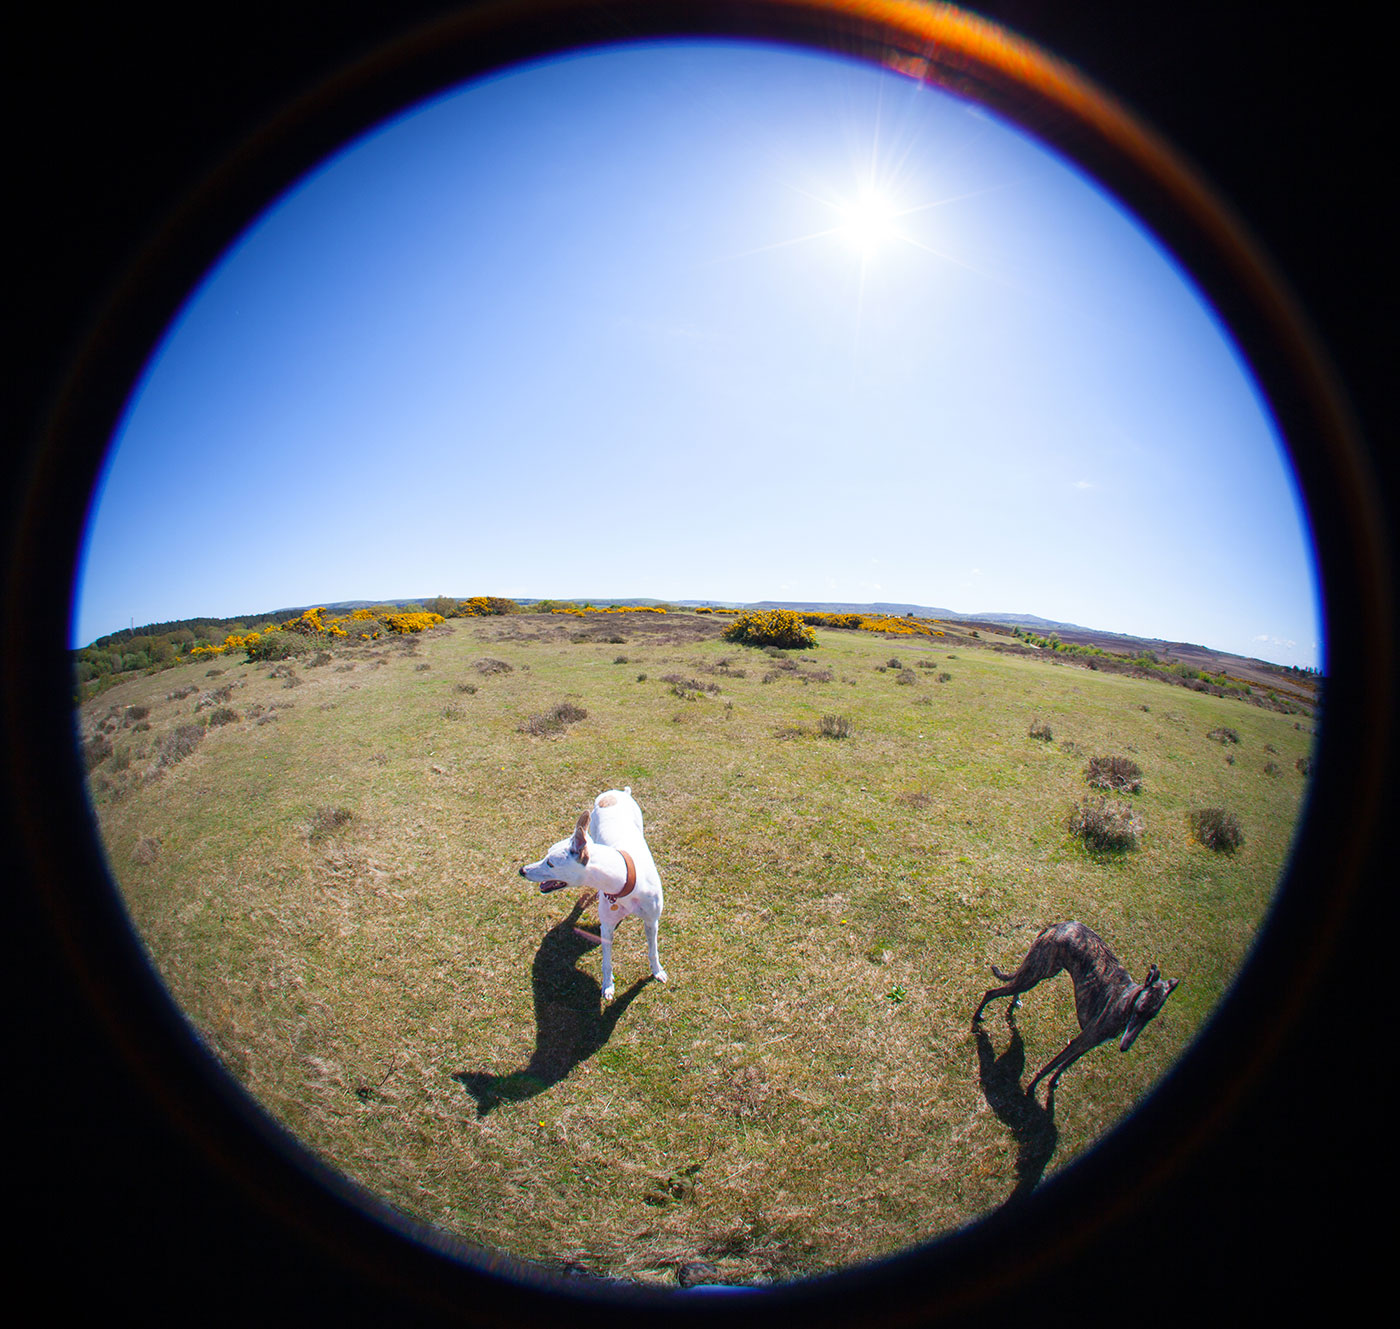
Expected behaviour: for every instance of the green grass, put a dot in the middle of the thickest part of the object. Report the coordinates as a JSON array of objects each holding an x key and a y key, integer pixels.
[{"x": 332, "y": 898}]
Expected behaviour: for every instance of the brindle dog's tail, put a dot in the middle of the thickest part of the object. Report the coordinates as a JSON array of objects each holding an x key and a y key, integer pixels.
[{"x": 1005, "y": 978}]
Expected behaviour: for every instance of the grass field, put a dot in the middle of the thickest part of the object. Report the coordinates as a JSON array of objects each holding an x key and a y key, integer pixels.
[{"x": 325, "y": 876}]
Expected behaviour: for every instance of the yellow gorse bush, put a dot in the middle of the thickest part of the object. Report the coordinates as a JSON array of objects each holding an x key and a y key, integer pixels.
[
  {"x": 887, "y": 623},
  {"x": 405, "y": 623},
  {"x": 772, "y": 627},
  {"x": 233, "y": 642},
  {"x": 362, "y": 623},
  {"x": 607, "y": 609}
]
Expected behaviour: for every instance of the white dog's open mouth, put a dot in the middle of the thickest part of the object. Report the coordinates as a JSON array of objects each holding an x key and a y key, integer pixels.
[{"x": 552, "y": 886}]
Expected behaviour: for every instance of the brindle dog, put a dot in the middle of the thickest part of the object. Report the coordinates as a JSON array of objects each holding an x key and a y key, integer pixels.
[{"x": 1106, "y": 999}]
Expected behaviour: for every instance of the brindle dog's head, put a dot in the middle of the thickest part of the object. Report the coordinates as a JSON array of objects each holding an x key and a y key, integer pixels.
[{"x": 1151, "y": 997}]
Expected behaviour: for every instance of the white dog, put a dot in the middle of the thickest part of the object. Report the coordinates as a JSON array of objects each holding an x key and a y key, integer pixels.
[{"x": 608, "y": 854}]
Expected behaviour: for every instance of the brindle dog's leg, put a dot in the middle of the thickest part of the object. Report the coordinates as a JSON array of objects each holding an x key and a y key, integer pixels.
[
  {"x": 1041, "y": 962},
  {"x": 1012, "y": 989},
  {"x": 1057, "y": 1066}
]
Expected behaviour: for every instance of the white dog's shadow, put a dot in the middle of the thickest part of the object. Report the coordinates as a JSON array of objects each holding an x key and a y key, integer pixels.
[{"x": 570, "y": 1021}]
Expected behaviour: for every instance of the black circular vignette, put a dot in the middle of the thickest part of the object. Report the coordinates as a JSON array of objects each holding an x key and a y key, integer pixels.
[{"x": 146, "y": 1185}]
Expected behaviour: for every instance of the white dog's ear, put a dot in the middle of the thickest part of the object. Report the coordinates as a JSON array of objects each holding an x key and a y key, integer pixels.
[{"x": 579, "y": 844}]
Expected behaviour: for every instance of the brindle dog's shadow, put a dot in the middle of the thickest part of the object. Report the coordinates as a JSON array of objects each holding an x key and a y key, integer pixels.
[
  {"x": 1032, "y": 1125},
  {"x": 570, "y": 1024}
]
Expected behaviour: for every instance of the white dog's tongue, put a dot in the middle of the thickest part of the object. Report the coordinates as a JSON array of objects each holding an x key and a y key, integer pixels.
[{"x": 552, "y": 886}]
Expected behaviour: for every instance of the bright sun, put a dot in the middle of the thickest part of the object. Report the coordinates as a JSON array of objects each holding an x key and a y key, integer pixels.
[{"x": 869, "y": 221}]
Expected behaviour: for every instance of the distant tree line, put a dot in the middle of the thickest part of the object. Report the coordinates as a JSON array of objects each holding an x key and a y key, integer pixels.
[{"x": 158, "y": 646}]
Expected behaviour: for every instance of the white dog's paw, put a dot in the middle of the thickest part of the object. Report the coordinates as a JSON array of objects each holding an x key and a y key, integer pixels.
[
  {"x": 659, "y": 974},
  {"x": 608, "y": 992}
]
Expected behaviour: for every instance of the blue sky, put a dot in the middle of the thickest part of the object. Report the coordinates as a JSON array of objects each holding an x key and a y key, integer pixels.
[{"x": 704, "y": 320}]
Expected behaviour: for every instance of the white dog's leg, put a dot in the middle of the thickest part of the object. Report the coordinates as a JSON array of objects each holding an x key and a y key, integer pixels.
[
  {"x": 605, "y": 933},
  {"x": 656, "y": 970}
]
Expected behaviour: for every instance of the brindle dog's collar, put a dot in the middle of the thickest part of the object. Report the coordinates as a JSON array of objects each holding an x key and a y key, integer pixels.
[{"x": 631, "y": 878}]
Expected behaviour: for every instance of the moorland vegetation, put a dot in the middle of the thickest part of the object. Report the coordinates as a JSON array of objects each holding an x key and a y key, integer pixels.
[{"x": 319, "y": 853}]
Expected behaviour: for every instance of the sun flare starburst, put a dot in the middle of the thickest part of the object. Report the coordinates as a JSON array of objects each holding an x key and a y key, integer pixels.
[{"x": 869, "y": 221}]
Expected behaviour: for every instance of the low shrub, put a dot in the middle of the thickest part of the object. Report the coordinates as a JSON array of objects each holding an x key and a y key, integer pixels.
[
  {"x": 96, "y": 750},
  {"x": 1106, "y": 824},
  {"x": 468, "y": 688},
  {"x": 1117, "y": 773},
  {"x": 222, "y": 715},
  {"x": 905, "y": 677},
  {"x": 1039, "y": 729},
  {"x": 835, "y": 726},
  {"x": 175, "y": 746},
  {"x": 487, "y": 666},
  {"x": 681, "y": 685},
  {"x": 945, "y": 677},
  {"x": 134, "y": 713},
  {"x": 1224, "y": 735},
  {"x": 145, "y": 851},
  {"x": 774, "y": 627},
  {"x": 554, "y": 720},
  {"x": 277, "y": 645},
  {"x": 1303, "y": 765},
  {"x": 1272, "y": 768},
  {"x": 1217, "y": 829},
  {"x": 320, "y": 658},
  {"x": 326, "y": 821}
]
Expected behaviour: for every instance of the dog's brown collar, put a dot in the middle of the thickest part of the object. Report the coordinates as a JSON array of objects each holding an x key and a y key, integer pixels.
[{"x": 631, "y": 878}]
